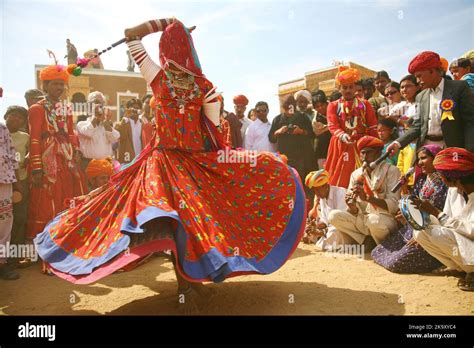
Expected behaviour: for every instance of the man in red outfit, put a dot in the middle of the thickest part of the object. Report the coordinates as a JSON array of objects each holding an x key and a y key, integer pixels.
[{"x": 55, "y": 175}]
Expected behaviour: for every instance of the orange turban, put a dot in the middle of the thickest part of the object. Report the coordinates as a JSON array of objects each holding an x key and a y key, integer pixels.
[
  {"x": 444, "y": 64},
  {"x": 454, "y": 162},
  {"x": 369, "y": 141},
  {"x": 54, "y": 72},
  {"x": 241, "y": 100},
  {"x": 347, "y": 76},
  {"x": 317, "y": 178},
  {"x": 424, "y": 61},
  {"x": 99, "y": 167}
]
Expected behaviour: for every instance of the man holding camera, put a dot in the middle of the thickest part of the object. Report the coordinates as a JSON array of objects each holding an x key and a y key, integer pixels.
[
  {"x": 96, "y": 134},
  {"x": 292, "y": 132}
]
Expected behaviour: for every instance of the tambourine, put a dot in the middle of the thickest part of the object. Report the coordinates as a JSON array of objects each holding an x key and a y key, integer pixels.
[{"x": 416, "y": 218}]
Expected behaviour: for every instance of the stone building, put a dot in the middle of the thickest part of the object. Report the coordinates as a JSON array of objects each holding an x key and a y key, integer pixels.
[
  {"x": 117, "y": 86},
  {"x": 322, "y": 79}
]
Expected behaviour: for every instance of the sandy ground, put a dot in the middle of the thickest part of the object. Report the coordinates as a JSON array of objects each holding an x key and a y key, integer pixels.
[{"x": 310, "y": 283}]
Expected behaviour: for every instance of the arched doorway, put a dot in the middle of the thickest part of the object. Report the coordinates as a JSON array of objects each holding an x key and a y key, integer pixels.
[{"x": 78, "y": 98}]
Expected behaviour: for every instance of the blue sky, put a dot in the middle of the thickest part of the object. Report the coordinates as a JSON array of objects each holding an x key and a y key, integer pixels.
[{"x": 244, "y": 46}]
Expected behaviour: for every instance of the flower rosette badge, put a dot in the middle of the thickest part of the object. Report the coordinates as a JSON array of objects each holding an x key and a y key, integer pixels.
[{"x": 447, "y": 106}]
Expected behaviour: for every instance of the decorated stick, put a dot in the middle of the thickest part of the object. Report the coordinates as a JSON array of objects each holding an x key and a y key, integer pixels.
[{"x": 76, "y": 69}]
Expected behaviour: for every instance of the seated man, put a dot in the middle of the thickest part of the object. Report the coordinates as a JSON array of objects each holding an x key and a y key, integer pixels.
[
  {"x": 328, "y": 198},
  {"x": 451, "y": 238},
  {"x": 371, "y": 204},
  {"x": 99, "y": 172}
]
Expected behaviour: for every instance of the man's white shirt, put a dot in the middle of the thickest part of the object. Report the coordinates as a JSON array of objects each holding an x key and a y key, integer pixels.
[
  {"x": 96, "y": 142},
  {"x": 256, "y": 136}
]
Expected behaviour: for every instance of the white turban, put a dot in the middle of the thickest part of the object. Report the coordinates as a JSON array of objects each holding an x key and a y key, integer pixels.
[
  {"x": 303, "y": 93},
  {"x": 96, "y": 97}
]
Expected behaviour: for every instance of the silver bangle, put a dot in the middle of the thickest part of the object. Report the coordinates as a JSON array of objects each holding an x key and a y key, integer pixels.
[{"x": 442, "y": 217}]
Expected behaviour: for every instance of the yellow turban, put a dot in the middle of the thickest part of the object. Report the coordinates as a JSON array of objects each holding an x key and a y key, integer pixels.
[
  {"x": 347, "y": 76},
  {"x": 99, "y": 167},
  {"x": 317, "y": 178},
  {"x": 54, "y": 72},
  {"x": 469, "y": 54}
]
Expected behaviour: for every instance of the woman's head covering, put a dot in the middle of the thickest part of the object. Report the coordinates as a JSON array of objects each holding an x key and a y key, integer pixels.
[
  {"x": 347, "y": 76},
  {"x": 433, "y": 149},
  {"x": 454, "y": 162},
  {"x": 317, "y": 178},
  {"x": 176, "y": 47}
]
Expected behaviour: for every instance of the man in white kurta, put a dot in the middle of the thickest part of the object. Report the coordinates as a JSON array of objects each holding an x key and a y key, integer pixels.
[
  {"x": 256, "y": 135},
  {"x": 451, "y": 240},
  {"x": 96, "y": 134},
  {"x": 371, "y": 204},
  {"x": 326, "y": 198},
  {"x": 450, "y": 236},
  {"x": 333, "y": 201}
]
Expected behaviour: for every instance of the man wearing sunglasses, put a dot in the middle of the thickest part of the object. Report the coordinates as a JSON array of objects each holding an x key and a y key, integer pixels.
[
  {"x": 256, "y": 135},
  {"x": 130, "y": 129}
]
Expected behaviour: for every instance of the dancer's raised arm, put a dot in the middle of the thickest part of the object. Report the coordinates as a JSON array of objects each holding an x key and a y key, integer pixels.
[{"x": 148, "y": 67}]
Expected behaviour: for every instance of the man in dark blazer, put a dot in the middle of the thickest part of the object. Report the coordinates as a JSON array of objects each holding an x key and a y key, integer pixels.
[{"x": 445, "y": 108}]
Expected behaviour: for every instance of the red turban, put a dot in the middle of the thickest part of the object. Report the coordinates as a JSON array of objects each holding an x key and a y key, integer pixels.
[
  {"x": 424, "y": 61},
  {"x": 369, "y": 141},
  {"x": 176, "y": 46},
  {"x": 99, "y": 167},
  {"x": 454, "y": 162},
  {"x": 241, "y": 100},
  {"x": 347, "y": 76}
]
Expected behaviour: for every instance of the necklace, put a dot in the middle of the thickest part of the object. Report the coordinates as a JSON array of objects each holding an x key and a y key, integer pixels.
[
  {"x": 59, "y": 125},
  {"x": 348, "y": 114},
  {"x": 182, "y": 99},
  {"x": 351, "y": 118}
]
